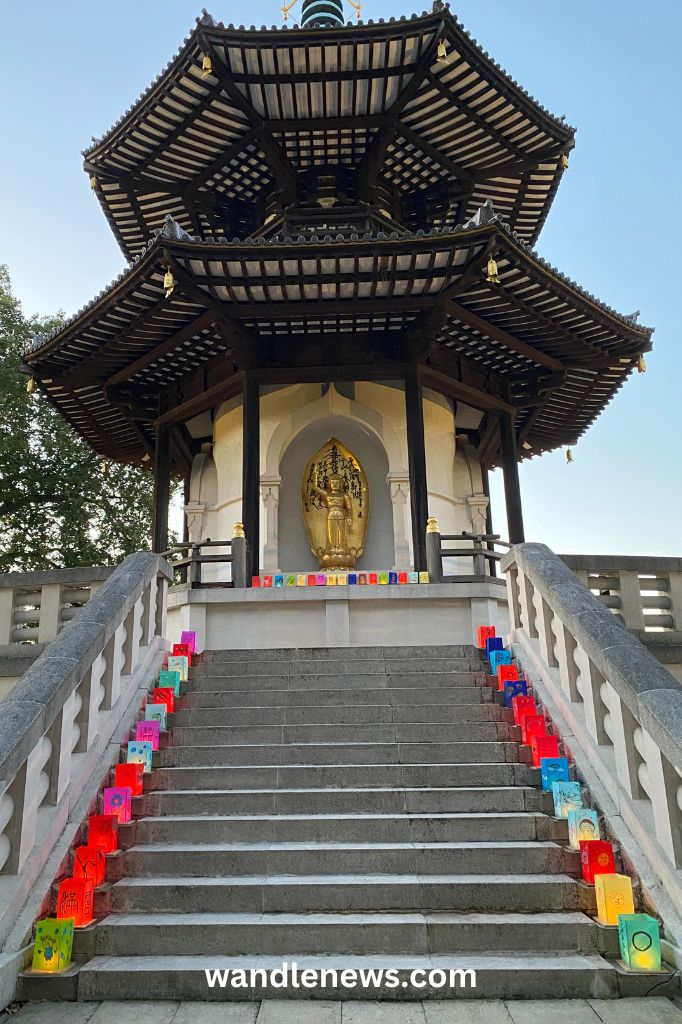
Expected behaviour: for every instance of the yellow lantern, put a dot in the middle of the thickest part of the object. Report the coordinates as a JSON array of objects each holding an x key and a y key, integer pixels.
[
  {"x": 614, "y": 897},
  {"x": 53, "y": 944}
]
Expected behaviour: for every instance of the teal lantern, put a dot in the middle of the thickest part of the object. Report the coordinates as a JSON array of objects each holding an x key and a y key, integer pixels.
[{"x": 640, "y": 942}]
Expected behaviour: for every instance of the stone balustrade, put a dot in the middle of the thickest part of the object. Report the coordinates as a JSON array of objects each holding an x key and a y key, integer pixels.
[
  {"x": 34, "y": 606},
  {"x": 618, "y": 710},
  {"x": 61, "y": 727}
]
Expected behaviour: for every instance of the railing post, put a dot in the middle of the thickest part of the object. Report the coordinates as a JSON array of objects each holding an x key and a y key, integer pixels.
[
  {"x": 675, "y": 581},
  {"x": 194, "y": 571},
  {"x": 6, "y": 615},
  {"x": 631, "y": 600},
  {"x": 239, "y": 559},
  {"x": 434, "y": 560},
  {"x": 50, "y": 607}
]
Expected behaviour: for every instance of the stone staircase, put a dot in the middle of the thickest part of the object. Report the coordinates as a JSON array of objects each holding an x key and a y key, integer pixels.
[{"x": 347, "y": 808}]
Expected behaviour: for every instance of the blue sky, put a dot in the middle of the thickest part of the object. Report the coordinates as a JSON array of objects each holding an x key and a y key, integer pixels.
[{"x": 69, "y": 69}]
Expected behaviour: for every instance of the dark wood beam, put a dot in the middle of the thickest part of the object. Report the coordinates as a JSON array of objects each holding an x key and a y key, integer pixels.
[
  {"x": 446, "y": 385},
  {"x": 251, "y": 473},
  {"x": 162, "y": 467},
  {"x": 200, "y": 403},
  {"x": 416, "y": 458},
  {"x": 467, "y": 316},
  {"x": 166, "y": 347},
  {"x": 512, "y": 488}
]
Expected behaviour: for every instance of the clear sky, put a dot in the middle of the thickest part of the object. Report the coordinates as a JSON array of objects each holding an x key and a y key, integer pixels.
[{"x": 69, "y": 69}]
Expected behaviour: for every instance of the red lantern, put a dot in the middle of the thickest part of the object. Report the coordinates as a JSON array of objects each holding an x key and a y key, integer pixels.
[
  {"x": 533, "y": 725},
  {"x": 183, "y": 650},
  {"x": 103, "y": 832},
  {"x": 164, "y": 695},
  {"x": 523, "y": 705},
  {"x": 130, "y": 775},
  {"x": 596, "y": 858},
  {"x": 505, "y": 672},
  {"x": 89, "y": 862},
  {"x": 482, "y": 634},
  {"x": 75, "y": 899},
  {"x": 543, "y": 746}
]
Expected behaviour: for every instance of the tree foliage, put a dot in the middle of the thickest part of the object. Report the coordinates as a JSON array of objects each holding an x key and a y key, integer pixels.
[{"x": 56, "y": 506}]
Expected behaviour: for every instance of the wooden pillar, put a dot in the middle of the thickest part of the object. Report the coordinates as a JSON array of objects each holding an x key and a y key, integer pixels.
[
  {"x": 416, "y": 459},
  {"x": 485, "y": 478},
  {"x": 251, "y": 473},
  {"x": 161, "y": 489},
  {"x": 186, "y": 496},
  {"x": 512, "y": 490}
]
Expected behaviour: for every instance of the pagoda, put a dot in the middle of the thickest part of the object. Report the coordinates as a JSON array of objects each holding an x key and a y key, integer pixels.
[{"x": 330, "y": 231}]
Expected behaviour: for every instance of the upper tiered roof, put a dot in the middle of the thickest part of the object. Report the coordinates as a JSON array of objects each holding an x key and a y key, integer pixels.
[{"x": 426, "y": 136}]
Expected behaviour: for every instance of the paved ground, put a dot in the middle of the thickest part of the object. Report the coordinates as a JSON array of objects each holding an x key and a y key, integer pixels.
[{"x": 568, "y": 1011}]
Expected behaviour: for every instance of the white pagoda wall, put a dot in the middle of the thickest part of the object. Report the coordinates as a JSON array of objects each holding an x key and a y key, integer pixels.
[{"x": 295, "y": 421}]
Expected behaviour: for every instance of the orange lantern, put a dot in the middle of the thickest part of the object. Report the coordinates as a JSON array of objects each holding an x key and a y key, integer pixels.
[
  {"x": 75, "y": 899},
  {"x": 164, "y": 695},
  {"x": 533, "y": 725},
  {"x": 596, "y": 858},
  {"x": 523, "y": 705},
  {"x": 130, "y": 775},
  {"x": 103, "y": 832},
  {"x": 183, "y": 650},
  {"x": 543, "y": 746},
  {"x": 482, "y": 634},
  {"x": 505, "y": 673},
  {"x": 89, "y": 862}
]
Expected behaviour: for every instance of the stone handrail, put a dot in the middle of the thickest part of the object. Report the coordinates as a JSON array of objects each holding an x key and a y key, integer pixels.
[
  {"x": 644, "y": 591},
  {"x": 618, "y": 710},
  {"x": 61, "y": 727},
  {"x": 34, "y": 606}
]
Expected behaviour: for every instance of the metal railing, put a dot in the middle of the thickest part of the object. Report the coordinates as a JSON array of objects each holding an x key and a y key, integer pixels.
[
  {"x": 479, "y": 547},
  {"x": 187, "y": 560},
  {"x": 618, "y": 710}
]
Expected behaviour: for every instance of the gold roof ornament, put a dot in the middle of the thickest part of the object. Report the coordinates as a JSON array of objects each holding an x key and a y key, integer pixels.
[
  {"x": 492, "y": 276},
  {"x": 105, "y": 470},
  {"x": 569, "y": 455},
  {"x": 441, "y": 55},
  {"x": 238, "y": 531},
  {"x": 30, "y": 385},
  {"x": 169, "y": 283},
  {"x": 94, "y": 183},
  {"x": 564, "y": 161},
  {"x": 206, "y": 66},
  {"x": 432, "y": 525},
  {"x": 641, "y": 365}
]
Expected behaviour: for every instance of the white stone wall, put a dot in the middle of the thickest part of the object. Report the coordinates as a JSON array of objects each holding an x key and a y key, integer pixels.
[{"x": 369, "y": 418}]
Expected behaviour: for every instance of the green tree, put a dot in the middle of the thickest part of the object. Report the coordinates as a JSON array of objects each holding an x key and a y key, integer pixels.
[{"x": 56, "y": 506}]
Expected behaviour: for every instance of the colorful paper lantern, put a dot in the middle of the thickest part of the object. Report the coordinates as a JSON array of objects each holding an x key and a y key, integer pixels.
[
  {"x": 164, "y": 695},
  {"x": 178, "y": 663},
  {"x": 383, "y": 578},
  {"x": 523, "y": 705},
  {"x": 130, "y": 775},
  {"x": 583, "y": 825},
  {"x": 484, "y": 633},
  {"x": 402, "y": 577},
  {"x": 424, "y": 577},
  {"x": 413, "y": 577},
  {"x": 182, "y": 650},
  {"x": 331, "y": 579},
  {"x": 321, "y": 580},
  {"x": 75, "y": 900},
  {"x": 393, "y": 577},
  {"x": 156, "y": 713},
  {"x": 149, "y": 731},
  {"x": 279, "y": 581},
  {"x": 506, "y": 673},
  {"x": 499, "y": 658},
  {"x": 140, "y": 752},
  {"x": 53, "y": 944},
  {"x": 117, "y": 801},
  {"x": 89, "y": 862},
  {"x": 543, "y": 746},
  {"x": 267, "y": 581},
  {"x": 171, "y": 679},
  {"x": 301, "y": 580},
  {"x": 103, "y": 832},
  {"x": 342, "y": 579},
  {"x": 493, "y": 643},
  {"x": 255, "y": 581},
  {"x": 189, "y": 636},
  {"x": 352, "y": 579},
  {"x": 596, "y": 858},
  {"x": 533, "y": 725},
  {"x": 372, "y": 579},
  {"x": 514, "y": 688},
  {"x": 553, "y": 769},
  {"x": 567, "y": 796},
  {"x": 614, "y": 897},
  {"x": 312, "y": 580},
  {"x": 640, "y": 942}
]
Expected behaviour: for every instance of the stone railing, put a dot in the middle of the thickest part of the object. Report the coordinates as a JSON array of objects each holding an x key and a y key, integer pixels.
[
  {"x": 34, "y": 606},
  {"x": 61, "y": 727},
  {"x": 645, "y": 592},
  {"x": 618, "y": 710}
]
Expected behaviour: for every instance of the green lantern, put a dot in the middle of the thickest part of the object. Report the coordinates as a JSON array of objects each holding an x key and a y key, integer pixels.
[
  {"x": 640, "y": 942},
  {"x": 53, "y": 944}
]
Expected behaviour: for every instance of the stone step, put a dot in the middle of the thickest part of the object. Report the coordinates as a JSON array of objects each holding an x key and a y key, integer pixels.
[
  {"x": 336, "y": 754},
  {"x": 494, "y": 893},
  {"x": 507, "y": 975},
  {"x": 202, "y": 860},
  {"x": 295, "y": 655},
  {"x": 401, "y": 732},
  {"x": 498, "y": 800},
  {"x": 239, "y": 934},
  {"x": 359, "y": 678},
  {"x": 286, "y": 777},
  {"x": 348, "y": 714},
  {"x": 403, "y": 696},
  {"x": 345, "y": 828}
]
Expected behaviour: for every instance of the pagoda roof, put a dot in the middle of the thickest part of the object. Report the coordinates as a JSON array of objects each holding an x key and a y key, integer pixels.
[
  {"x": 307, "y": 308},
  {"x": 371, "y": 96}
]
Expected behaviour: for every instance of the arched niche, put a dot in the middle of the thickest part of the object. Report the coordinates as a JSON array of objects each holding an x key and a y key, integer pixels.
[{"x": 294, "y": 551}]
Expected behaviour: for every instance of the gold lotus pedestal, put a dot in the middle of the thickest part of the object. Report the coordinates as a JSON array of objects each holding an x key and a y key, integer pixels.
[{"x": 335, "y": 506}]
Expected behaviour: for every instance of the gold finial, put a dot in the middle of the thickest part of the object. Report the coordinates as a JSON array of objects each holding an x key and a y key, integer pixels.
[
  {"x": 238, "y": 531},
  {"x": 564, "y": 161},
  {"x": 492, "y": 276},
  {"x": 30, "y": 385},
  {"x": 169, "y": 283},
  {"x": 94, "y": 183},
  {"x": 105, "y": 470},
  {"x": 569, "y": 455},
  {"x": 206, "y": 66},
  {"x": 641, "y": 365},
  {"x": 432, "y": 525},
  {"x": 441, "y": 55}
]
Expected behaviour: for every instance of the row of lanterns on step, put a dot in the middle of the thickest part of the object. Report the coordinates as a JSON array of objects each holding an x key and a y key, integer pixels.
[
  {"x": 638, "y": 934},
  {"x": 76, "y": 895}
]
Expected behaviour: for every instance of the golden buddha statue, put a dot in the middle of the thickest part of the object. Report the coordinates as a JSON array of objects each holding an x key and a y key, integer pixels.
[
  {"x": 335, "y": 504},
  {"x": 339, "y": 519}
]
